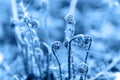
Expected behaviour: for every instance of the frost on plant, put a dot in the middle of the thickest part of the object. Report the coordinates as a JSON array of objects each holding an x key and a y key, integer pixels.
[
  {"x": 70, "y": 26},
  {"x": 59, "y": 40}
]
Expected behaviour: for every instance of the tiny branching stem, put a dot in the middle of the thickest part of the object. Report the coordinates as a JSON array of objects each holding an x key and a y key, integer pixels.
[
  {"x": 22, "y": 6},
  {"x": 27, "y": 7}
]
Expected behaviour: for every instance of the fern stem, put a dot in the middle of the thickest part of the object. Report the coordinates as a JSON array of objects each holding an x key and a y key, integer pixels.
[{"x": 60, "y": 71}]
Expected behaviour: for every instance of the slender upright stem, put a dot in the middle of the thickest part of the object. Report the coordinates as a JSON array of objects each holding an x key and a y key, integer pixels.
[
  {"x": 73, "y": 68},
  {"x": 25, "y": 59},
  {"x": 81, "y": 77},
  {"x": 69, "y": 60},
  {"x": 14, "y": 10},
  {"x": 47, "y": 60},
  {"x": 86, "y": 57},
  {"x": 33, "y": 48},
  {"x": 48, "y": 66},
  {"x": 87, "y": 53},
  {"x": 68, "y": 27},
  {"x": 60, "y": 71},
  {"x": 69, "y": 57},
  {"x": 72, "y": 7},
  {"x": 44, "y": 13}
]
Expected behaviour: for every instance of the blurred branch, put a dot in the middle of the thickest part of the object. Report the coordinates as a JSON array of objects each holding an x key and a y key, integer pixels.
[
  {"x": 114, "y": 62},
  {"x": 72, "y": 6},
  {"x": 14, "y": 9}
]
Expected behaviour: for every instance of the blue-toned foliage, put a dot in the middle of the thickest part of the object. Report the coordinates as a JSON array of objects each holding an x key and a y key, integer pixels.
[{"x": 59, "y": 40}]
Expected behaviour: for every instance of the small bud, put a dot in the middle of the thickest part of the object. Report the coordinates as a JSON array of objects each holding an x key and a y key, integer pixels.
[
  {"x": 36, "y": 42},
  {"x": 13, "y": 23},
  {"x": 66, "y": 44},
  {"x": 87, "y": 42},
  {"x": 44, "y": 5},
  {"x": 78, "y": 40},
  {"x": 27, "y": 18},
  {"x": 34, "y": 23},
  {"x": 88, "y": 39},
  {"x": 70, "y": 19},
  {"x": 83, "y": 41},
  {"x": 45, "y": 47},
  {"x": 56, "y": 45},
  {"x": 83, "y": 68}
]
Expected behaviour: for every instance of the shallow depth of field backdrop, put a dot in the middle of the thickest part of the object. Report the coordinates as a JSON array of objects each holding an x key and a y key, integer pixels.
[{"x": 35, "y": 39}]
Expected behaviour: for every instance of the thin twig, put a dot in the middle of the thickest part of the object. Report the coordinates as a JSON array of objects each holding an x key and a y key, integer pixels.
[{"x": 115, "y": 61}]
